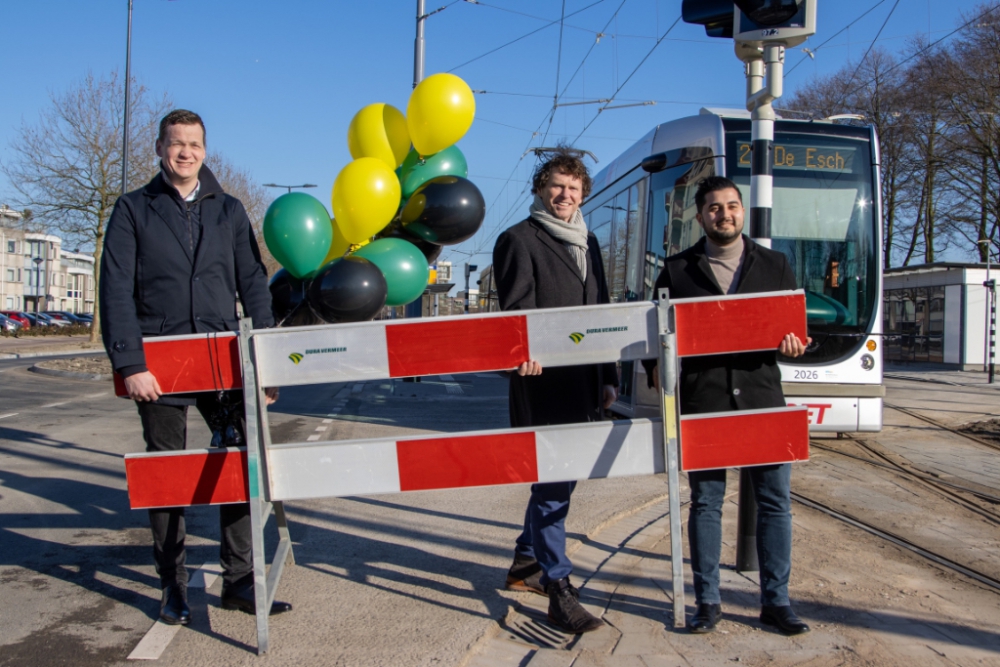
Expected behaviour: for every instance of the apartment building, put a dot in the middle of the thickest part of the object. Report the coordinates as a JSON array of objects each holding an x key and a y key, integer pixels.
[{"x": 37, "y": 274}]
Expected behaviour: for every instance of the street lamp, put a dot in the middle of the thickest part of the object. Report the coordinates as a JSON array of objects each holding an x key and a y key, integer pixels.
[
  {"x": 991, "y": 309},
  {"x": 303, "y": 186},
  {"x": 38, "y": 263}
]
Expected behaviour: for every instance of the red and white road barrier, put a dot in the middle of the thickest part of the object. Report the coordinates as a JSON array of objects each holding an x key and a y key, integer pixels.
[{"x": 475, "y": 343}]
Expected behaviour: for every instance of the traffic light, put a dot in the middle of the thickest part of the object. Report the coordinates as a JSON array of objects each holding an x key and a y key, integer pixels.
[{"x": 786, "y": 21}]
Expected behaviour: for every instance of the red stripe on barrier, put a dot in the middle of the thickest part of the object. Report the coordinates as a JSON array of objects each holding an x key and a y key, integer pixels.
[
  {"x": 457, "y": 346},
  {"x": 211, "y": 477},
  {"x": 725, "y": 326},
  {"x": 737, "y": 440},
  {"x": 211, "y": 363},
  {"x": 478, "y": 460}
]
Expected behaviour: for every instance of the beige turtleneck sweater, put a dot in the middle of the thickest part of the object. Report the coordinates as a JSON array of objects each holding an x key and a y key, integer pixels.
[{"x": 726, "y": 262}]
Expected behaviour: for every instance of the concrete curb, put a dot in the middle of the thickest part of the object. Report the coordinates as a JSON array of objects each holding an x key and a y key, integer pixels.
[
  {"x": 69, "y": 374},
  {"x": 30, "y": 355}
]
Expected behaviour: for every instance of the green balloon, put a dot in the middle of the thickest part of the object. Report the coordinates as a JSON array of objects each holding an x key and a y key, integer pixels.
[
  {"x": 402, "y": 264},
  {"x": 298, "y": 232},
  {"x": 415, "y": 171}
]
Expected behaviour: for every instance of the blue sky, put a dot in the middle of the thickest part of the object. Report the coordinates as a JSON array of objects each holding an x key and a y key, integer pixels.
[{"x": 277, "y": 81}]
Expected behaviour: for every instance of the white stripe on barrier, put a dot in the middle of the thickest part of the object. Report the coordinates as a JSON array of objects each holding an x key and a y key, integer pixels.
[
  {"x": 312, "y": 355},
  {"x": 300, "y": 471},
  {"x": 589, "y": 335},
  {"x": 602, "y": 449}
]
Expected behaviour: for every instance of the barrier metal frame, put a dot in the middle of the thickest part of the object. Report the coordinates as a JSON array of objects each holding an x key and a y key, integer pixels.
[{"x": 258, "y": 441}]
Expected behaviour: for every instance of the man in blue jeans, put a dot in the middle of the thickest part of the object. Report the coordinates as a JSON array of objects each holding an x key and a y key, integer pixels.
[{"x": 726, "y": 262}]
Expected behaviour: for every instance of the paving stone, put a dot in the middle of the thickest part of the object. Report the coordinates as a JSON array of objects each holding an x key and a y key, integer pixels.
[
  {"x": 546, "y": 657},
  {"x": 670, "y": 660},
  {"x": 589, "y": 659}
]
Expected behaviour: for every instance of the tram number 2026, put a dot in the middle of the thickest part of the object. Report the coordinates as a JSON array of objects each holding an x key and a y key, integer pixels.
[{"x": 806, "y": 375}]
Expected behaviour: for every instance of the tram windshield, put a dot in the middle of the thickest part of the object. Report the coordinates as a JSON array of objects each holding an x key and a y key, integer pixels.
[{"x": 823, "y": 220}]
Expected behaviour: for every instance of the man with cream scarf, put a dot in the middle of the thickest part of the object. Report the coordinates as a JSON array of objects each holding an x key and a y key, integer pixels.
[{"x": 550, "y": 260}]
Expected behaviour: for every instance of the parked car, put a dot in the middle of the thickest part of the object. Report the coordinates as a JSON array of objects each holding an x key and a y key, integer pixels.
[
  {"x": 66, "y": 316},
  {"x": 44, "y": 320},
  {"x": 88, "y": 318},
  {"x": 18, "y": 316},
  {"x": 9, "y": 324}
]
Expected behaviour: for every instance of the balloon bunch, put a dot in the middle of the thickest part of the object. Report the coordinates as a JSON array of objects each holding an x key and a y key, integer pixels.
[{"x": 393, "y": 208}]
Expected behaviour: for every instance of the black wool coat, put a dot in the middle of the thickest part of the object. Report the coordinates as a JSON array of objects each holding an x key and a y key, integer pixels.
[
  {"x": 172, "y": 268},
  {"x": 534, "y": 270},
  {"x": 720, "y": 383}
]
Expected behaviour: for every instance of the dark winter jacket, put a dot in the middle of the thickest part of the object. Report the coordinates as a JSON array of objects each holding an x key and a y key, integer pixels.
[
  {"x": 172, "y": 267},
  {"x": 534, "y": 270},
  {"x": 726, "y": 382}
]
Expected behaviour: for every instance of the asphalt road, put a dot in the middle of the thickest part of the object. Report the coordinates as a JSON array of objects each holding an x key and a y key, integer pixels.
[{"x": 407, "y": 579}]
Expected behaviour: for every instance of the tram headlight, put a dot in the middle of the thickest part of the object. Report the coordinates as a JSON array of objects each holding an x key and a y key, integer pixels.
[
  {"x": 871, "y": 345},
  {"x": 867, "y": 362}
]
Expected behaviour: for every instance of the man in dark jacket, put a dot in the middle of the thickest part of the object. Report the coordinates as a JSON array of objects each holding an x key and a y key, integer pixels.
[
  {"x": 550, "y": 260},
  {"x": 176, "y": 254},
  {"x": 726, "y": 262}
]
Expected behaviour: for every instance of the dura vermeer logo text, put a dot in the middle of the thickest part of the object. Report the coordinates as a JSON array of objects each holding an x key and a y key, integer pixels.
[
  {"x": 296, "y": 357},
  {"x": 576, "y": 336}
]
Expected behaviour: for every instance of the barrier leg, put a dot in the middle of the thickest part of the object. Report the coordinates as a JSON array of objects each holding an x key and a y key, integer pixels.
[
  {"x": 259, "y": 507},
  {"x": 671, "y": 443},
  {"x": 746, "y": 529}
]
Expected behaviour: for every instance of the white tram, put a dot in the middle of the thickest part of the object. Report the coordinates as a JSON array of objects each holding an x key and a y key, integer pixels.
[{"x": 826, "y": 219}]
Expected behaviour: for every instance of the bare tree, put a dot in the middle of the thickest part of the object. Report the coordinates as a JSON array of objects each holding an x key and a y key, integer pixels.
[
  {"x": 238, "y": 183},
  {"x": 67, "y": 165}
]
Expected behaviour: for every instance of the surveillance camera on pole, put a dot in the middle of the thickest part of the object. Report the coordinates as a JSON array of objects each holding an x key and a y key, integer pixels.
[{"x": 761, "y": 30}]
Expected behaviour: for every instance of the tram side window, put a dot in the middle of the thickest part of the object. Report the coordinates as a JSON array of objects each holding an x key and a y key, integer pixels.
[
  {"x": 913, "y": 320},
  {"x": 673, "y": 226}
]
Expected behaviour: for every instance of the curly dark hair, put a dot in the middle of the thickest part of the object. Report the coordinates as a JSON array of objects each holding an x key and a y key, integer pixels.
[
  {"x": 563, "y": 161},
  {"x": 712, "y": 184},
  {"x": 180, "y": 117}
]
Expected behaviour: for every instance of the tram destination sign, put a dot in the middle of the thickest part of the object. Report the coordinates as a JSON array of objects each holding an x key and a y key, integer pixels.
[{"x": 804, "y": 157}]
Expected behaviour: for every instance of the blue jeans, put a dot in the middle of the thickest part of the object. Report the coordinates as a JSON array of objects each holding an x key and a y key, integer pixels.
[
  {"x": 544, "y": 534},
  {"x": 771, "y": 488}
]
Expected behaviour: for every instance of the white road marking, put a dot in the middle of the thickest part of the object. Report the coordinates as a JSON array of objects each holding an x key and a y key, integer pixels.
[
  {"x": 453, "y": 388},
  {"x": 312, "y": 438},
  {"x": 358, "y": 388},
  {"x": 56, "y": 405},
  {"x": 154, "y": 642},
  {"x": 327, "y": 421},
  {"x": 12, "y": 414},
  {"x": 447, "y": 378},
  {"x": 53, "y": 405},
  {"x": 320, "y": 429}
]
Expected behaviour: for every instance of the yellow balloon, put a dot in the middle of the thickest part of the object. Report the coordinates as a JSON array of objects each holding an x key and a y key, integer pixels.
[
  {"x": 365, "y": 198},
  {"x": 379, "y": 131},
  {"x": 338, "y": 247},
  {"x": 439, "y": 113}
]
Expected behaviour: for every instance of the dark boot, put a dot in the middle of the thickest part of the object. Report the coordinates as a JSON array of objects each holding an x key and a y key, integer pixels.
[
  {"x": 784, "y": 619},
  {"x": 705, "y": 618},
  {"x": 565, "y": 610},
  {"x": 525, "y": 575},
  {"x": 239, "y": 595},
  {"x": 173, "y": 605}
]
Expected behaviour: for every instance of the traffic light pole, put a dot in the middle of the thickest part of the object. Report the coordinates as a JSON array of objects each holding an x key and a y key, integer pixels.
[{"x": 764, "y": 74}]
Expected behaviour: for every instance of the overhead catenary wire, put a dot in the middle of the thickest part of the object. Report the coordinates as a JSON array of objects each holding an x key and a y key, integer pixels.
[
  {"x": 872, "y": 45},
  {"x": 835, "y": 35},
  {"x": 518, "y": 39},
  {"x": 627, "y": 79}
]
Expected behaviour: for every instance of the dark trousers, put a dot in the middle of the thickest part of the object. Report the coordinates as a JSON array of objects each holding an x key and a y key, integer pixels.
[
  {"x": 772, "y": 489},
  {"x": 544, "y": 534},
  {"x": 164, "y": 428}
]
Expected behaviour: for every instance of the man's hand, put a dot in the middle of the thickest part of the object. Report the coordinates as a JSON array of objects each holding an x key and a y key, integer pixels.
[
  {"x": 792, "y": 346},
  {"x": 270, "y": 395},
  {"x": 143, "y": 387},
  {"x": 529, "y": 368},
  {"x": 610, "y": 395}
]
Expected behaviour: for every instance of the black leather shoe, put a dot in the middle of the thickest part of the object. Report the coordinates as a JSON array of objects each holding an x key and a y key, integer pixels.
[
  {"x": 525, "y": 575},
  {"x": 173, "y": 606},
  {"x": 784, "y": 619},
  {"x": 565, "y": 610},
  {"x": 241, "y": 597},
  {"x": 706, "y": 616}
]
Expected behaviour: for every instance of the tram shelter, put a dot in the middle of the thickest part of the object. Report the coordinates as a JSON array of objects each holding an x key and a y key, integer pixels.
[{"x": 937, "y": 313}]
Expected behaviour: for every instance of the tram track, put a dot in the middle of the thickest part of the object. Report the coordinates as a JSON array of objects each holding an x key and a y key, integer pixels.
[{"x": 964, "y": 495}]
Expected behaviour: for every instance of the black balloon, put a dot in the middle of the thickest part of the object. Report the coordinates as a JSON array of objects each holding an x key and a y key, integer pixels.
[
  {"x": 303, "y": 316},
  {"x": 287, "y": 293},
  {"x": 395, "y": 231},
  {"x": 351, "y": 289},
  {"x": 444, "y": 210}
]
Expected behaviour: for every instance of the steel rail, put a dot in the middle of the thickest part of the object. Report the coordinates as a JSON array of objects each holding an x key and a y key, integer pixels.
[
  {"x": 934, "y": 422},
  {"x": 943, "y": 561}
]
